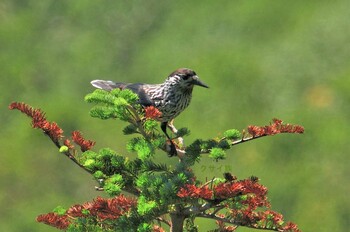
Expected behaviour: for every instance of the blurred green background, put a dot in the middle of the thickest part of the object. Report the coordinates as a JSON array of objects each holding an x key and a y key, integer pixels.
[{"x": 261, "y": 59}]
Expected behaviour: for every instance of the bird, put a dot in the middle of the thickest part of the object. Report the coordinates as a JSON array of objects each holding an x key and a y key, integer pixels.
[{"x": 171, "y": 97}]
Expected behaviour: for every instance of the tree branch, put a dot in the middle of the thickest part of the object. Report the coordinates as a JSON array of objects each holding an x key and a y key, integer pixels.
[
  {"x": 137, "y": 121},
  {"x": 160, "y": 219},
  {"x": 243, "y": 140},
  {"x": 70, "y": 156},
  {"x": 177, "y": 219},
  {"x": 232, "y": 222}
]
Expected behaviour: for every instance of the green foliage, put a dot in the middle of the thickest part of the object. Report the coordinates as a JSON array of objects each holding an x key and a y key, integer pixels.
[
  {"x": 193, "y": 152},
  {"x": 224, "y": 144},
  {"x": 63, "y": 149},
  {"x": 232, "y": 134},
  {"x": 143, "y": 148},
  {"x": 99, "y": 175},
  {"x": 150, "y": 125},
  {"x": 217, "y": 153},
  {"x": 118, "y": 162},
  {"x": 105, "y": 160},
  {"x": 208, "y": 144},
  {"x": 113, "y": 104},
  {"x": 130, "y": 129},
  {"x": 145, "y": 206},
  {"x": 190, "y": 226},
  {"x": 113, "y": 185},
  {"x": 101, "y": 96},
  {"x": 130, "y": 97},
  {"x": 159, "y": 141},
  {"x": 103, "y": 112},
  {"x": 59, "y": 210},
  {"x": 112, "y": 170},
  {"x": 145, "y": 227},
  {"x": 161, "y": 187},
  {"x": 143, "y": 181},
  {"x": 85, "y": 224},
  {"x": 150, "y": 166},
  {"x": 183, "y": 132}
]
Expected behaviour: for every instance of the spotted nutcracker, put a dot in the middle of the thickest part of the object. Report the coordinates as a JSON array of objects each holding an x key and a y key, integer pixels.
[{"x": 170, "y": 97}]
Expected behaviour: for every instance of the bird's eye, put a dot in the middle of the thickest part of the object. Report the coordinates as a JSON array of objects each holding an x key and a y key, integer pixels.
[{"x": 187, "y": 76}]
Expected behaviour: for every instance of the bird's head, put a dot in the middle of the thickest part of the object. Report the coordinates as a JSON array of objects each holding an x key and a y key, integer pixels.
[{"x": 185, "y": 78}]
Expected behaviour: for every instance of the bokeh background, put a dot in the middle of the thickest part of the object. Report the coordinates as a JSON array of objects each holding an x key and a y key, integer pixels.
[{"x": 261, "y": 59}]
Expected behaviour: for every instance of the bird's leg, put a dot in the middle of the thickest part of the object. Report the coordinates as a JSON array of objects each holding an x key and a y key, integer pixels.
[
  {"x": 174, "y": 130},
  {"x": 173, "y": 151}
]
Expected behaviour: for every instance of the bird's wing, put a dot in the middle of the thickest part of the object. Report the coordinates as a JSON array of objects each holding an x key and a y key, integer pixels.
[
  {"x": 138, "y": 88},
  {"x": 108, "y": 85}
]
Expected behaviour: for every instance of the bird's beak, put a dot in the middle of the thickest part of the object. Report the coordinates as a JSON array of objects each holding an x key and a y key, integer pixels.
[{"x": 196, "y": 81}]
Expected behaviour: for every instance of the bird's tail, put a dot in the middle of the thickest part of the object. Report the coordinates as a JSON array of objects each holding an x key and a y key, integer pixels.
[{"x": 107, "y": 85}]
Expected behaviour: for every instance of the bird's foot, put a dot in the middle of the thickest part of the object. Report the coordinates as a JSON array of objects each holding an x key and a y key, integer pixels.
[
  {"x": 174, "y": 130},
  {"x": 172, "y": 151}
]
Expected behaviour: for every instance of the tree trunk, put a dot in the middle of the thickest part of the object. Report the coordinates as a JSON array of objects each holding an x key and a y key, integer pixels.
[{"x": 177, "y": 222}]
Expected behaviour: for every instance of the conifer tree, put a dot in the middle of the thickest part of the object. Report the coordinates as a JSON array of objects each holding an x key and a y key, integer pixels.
[{"x": 147, "y": 195}]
